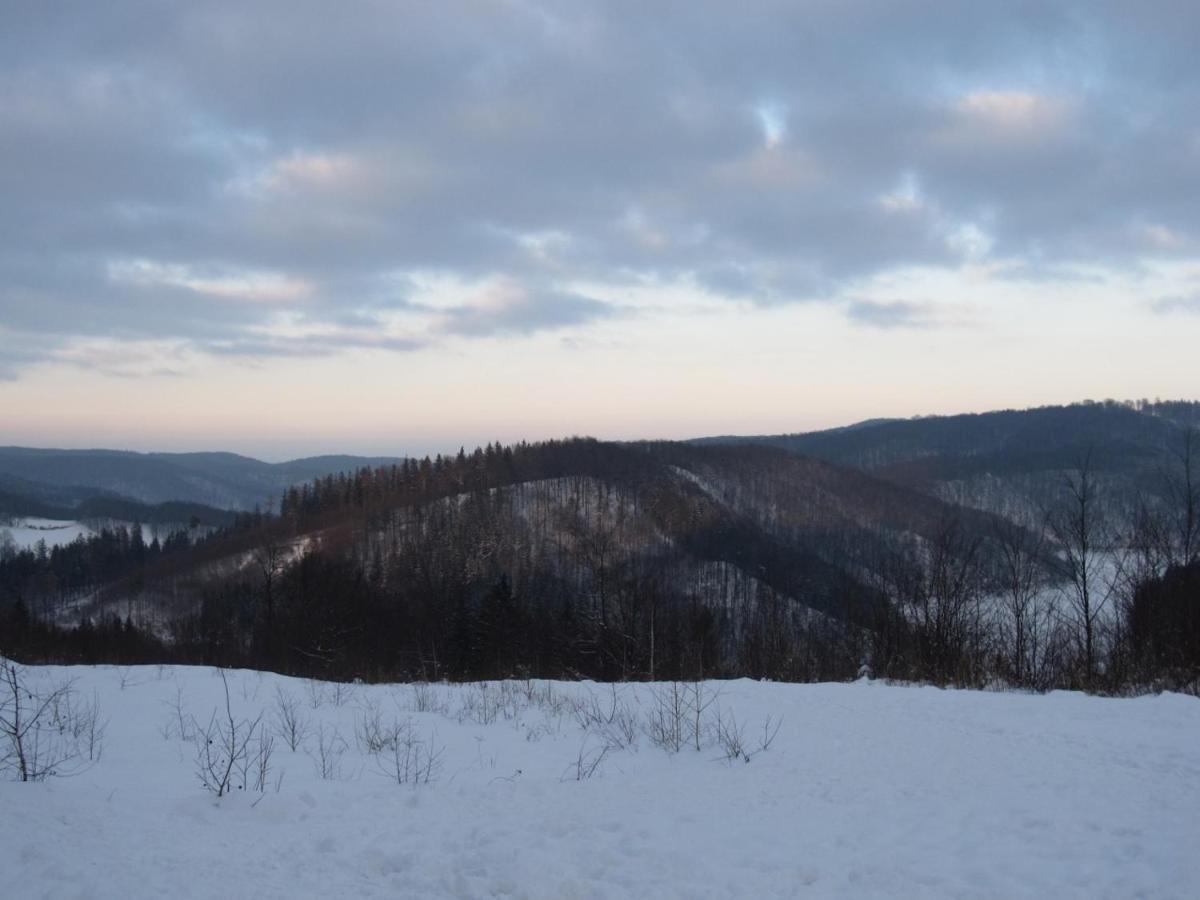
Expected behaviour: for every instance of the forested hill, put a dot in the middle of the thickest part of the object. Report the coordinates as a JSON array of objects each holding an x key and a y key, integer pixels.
[
  {"x": 223, "y": 480},
  {"x": 583, "y": 558},
  {"x": 607, "y": 559},
  {"x": 1126, "y": 441}
]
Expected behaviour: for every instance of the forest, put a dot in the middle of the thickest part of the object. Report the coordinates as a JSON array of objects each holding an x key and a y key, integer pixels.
[{"x": 650, "y": 561}]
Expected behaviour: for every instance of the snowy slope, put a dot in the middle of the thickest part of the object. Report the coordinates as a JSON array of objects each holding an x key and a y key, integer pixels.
[{"x": 867, "y": 791}]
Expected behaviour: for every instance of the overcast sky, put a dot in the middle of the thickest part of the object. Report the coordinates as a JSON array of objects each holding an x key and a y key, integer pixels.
[{"x": 291, "y": 227}]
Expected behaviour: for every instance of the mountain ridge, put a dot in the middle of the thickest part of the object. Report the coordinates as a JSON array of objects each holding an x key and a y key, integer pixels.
[{"x": 219, "y": 479}]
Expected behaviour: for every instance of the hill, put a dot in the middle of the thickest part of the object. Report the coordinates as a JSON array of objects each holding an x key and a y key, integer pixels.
[
  {"x": 995, "y": 459},
  {"x": 595, "y": 558},
  {"x": 223, "y": 480},
  {"x": 585, "y": 558}
]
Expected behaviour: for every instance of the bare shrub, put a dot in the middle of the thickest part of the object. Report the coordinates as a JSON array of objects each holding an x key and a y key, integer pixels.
[
  {"x": 371, "y": 732},
  {"x": 125, "y": 677},
  {"x": 180, "y": 725},
  {"x": 769, "y": 731},
  {"x": 223, "y": 748},
  {"x": 610, "y": 718},
  {"x": 587, "y": 762},
  {"x": 480, "y": 704},
  {"x": 316, "y": 693},
  {"x": 667, "y": 723},
  {"x": 45, "y": 730},
  {"x": 425, "y": 698},
  {"x": 412, "y": 760},
  {"x": 88, "y": 728},
  {"x": 731, "y": 737},
  {"x": 255, "y": 768},
  {"x": 328, "y": 753},
  {"x": 341, "y": 693},
  {"x": 679, "y": 713},
  {"x": 548, "y": 727},
  {"x": 547, "y": 699},
  {"x": 251, "y": 682},
  {"x": 622, "y": 732},
  {"x": 701, "y": 697},
  {"x": 290, "y": 723}
]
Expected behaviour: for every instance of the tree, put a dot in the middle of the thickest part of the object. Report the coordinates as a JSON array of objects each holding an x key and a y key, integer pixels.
[
  {"x": 946, "y": 604},
  {"x": 1183, "y": 498},
  {"x": 270, "y": 557},
  {"x": 1164, "y": 625},
  {"x": 498, "y": 627},
  {"x": 1082, "y": 532},
  {"x": 1022, "y": 581}
]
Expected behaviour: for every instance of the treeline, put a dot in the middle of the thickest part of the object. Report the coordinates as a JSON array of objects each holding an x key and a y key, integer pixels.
[
  {"x": 115, "y": 561},
  {"x": 581, "y": 559},
  {"x": 101, "y": 507},
  {"x": 43, "y": 578},
  {"x": 421, "y": 481}
]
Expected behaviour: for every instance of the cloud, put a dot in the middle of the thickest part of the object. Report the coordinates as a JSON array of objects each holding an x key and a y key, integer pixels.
[
  {"x": 186, "y": 172},
  {"x": 313, "y": 345},
  {"x": 890, "y": 314},
  {"x": 1170, "y": 305},
  {"x": 250, "y": 287},
  {"x": 510, "y": 309}
]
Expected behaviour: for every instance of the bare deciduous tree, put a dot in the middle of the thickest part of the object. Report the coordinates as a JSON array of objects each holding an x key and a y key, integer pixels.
[
  {"x": 1023, "y": 582},
  {"x": 1183, "y": 496},
  {"x": 1081, "y": 530}
]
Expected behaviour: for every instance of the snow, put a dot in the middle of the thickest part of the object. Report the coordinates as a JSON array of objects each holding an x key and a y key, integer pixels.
[
  {"x": 26, "y": 532},
  {"x": 868, "y": 790}
]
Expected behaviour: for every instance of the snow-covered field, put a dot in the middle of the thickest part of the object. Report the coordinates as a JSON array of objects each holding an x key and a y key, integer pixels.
[
  {"x": 27, "y": 531},
  {"x": 867, "y": 790}
]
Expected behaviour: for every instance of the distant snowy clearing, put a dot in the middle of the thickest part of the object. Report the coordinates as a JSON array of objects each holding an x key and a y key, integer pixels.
[
  {"x": 27, "y": 531},
  {"x": 551, "y": 789}
]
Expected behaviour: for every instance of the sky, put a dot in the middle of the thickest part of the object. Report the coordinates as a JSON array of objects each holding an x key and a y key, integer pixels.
[{"x": 292, "y": 227}]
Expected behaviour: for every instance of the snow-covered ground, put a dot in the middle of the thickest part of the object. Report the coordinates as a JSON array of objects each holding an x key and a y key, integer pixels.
[
  {"x": 868, "y": 790},
  {"x": 27, "y": 531}
]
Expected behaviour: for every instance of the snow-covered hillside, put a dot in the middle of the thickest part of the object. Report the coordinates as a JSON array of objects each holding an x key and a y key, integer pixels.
[{"x": 560, "y": 790}]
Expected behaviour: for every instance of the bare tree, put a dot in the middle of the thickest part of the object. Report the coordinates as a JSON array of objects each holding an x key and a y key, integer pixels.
[
  {"x": 1080, "y": 528},
  {"x": 1022, "y": 578},
  {"x": 945, "y": 601},
  {"x": 1183, "y": 497},
  {"x": 270, "y": 557}
]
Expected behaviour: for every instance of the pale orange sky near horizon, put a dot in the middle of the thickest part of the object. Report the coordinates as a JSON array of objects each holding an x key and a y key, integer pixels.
[{"x": 727, "y": 371}]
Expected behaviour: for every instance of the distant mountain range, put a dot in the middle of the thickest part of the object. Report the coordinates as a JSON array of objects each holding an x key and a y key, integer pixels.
[
  {"x": 953, "y": 457},
  {"x": 68, "y": 478}
]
